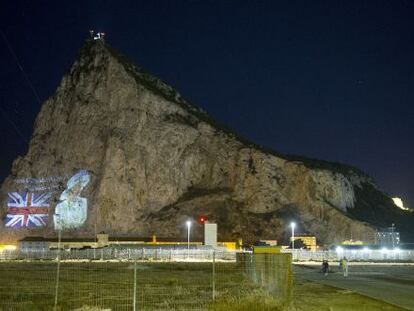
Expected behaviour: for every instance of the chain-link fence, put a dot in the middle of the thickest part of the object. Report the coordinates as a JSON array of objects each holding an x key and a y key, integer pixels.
[
  {"x": 199, "y": 254},
  {"x": 272, "y": 272},
  {"x": 263, "y": 282},
  {"x": 120, "y": 253},
  {"x": 363, "y": 254}
]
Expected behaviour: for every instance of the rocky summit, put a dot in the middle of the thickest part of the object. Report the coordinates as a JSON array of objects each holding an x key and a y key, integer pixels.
[{"x": 119, "y": 151}]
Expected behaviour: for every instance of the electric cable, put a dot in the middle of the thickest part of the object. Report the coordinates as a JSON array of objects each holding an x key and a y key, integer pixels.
[
  {"x": 26, "y": 77},
  {"x": 4, "y": 113}
]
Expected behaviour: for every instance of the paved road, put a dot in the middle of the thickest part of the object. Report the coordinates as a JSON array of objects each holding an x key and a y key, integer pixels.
[{"x": 390, "y": 283}]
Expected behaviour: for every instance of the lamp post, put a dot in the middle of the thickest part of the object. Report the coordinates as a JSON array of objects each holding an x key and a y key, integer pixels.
[
  {"x": 188, "y": 223},
  {"x": 293, "y": 225}
]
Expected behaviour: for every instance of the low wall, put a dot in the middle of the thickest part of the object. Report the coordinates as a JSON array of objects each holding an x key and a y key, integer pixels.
[{"x": 385, "y": 255}]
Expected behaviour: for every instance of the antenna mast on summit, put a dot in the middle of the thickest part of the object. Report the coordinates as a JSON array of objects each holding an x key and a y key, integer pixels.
[{"x": 97, "y": 35}]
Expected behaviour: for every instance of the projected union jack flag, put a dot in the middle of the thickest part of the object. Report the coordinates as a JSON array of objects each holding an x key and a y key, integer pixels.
[{"x": 27, "y": 210}]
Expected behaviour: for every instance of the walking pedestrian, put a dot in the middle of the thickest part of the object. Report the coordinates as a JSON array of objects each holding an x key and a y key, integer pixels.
[
  {"x": 325, "y": 267},
  {"x": 344, "y": 265}
]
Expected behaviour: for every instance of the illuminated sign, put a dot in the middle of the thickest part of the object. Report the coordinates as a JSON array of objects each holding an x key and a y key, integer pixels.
[
  {"x": 51, "y": 183},
  {"x": 72, "y": 209},
  {"x": 34, "y": 199},
  {"x": 27, "y": 210}
]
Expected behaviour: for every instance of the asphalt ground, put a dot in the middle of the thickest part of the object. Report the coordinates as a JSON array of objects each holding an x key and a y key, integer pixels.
[{"x": 391, "y": 283}]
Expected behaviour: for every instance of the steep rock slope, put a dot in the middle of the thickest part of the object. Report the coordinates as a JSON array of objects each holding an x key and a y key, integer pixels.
[{"x": 155, "y": 160}]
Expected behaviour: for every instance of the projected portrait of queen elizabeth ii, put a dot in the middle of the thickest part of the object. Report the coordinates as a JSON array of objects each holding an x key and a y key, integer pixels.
[{"x": 72, "y": 209}]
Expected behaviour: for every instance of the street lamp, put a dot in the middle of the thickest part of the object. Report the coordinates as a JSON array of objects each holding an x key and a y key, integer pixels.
[
  {"x": 293, "y": 225},
  {"x": 188, "y": 223}
]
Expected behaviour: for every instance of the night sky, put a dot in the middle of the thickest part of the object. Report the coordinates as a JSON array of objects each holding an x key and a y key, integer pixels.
[{"x": 332, "y": 80}]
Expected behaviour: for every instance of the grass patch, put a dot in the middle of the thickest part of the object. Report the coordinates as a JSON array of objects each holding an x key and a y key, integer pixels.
[
  {"x": 106, "y": 285},
  {"x": 260, "y": 301},
  {"x": 309, "y": 296}
]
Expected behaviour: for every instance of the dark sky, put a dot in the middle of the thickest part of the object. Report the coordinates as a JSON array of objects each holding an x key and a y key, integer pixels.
[{"x": 327, "y": 79}]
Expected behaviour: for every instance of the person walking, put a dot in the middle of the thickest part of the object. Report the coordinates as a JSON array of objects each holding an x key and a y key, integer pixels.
[
  {"x": 325, "y": 267},
  {"x": 344, "y": 265}
]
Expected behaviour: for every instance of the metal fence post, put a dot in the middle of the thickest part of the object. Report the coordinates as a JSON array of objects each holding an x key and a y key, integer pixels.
[
  {"x": 135, "y": 285},
  {"x": 57, "y": 272},
  {"x": 214, "y": 275}
]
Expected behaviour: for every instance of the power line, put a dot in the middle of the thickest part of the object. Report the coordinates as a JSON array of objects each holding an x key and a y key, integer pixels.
[
  {"x": 26, "y": 77},
  {"x": 4, "y": 113}
]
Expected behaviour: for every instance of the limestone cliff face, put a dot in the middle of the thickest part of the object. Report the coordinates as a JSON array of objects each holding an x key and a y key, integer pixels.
[{"x": 155, "y": 161}]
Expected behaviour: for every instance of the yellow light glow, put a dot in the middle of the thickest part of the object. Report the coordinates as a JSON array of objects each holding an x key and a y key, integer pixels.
[
  {"x": 400, "y": 204},
  {"x": 8, "y": 247}
]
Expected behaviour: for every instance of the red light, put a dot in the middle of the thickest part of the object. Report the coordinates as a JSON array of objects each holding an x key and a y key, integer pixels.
[{"x": 202, "y": 219}]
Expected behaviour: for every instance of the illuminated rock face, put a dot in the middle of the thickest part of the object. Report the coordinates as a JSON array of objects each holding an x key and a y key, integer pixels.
[{"x": 153, "y": 161}]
